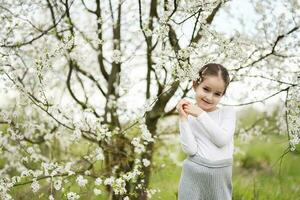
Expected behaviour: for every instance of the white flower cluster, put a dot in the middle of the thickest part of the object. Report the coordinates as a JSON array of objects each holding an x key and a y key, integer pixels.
[
  {"x": 180, "y": 70},
  {"x": 184, "y": 53},
  {"x": 14, "y": 134},
  {"x": 111, "y": 101},
  {"x": 97, "y": 154},
  {"x": 219, "y": 47},
  {"x": 135, "y": 172},
  {"x": 52, "y": 169},
  {"x": 151, "y": 192},
  {"x": 81, "y": 181},
  {"x": 293, "y": 110},
  {"x": 146, "y": 135},
  {"x": 117, "y": 55},
  {"x": 109, "y": 181},
  {"x": 118, "y": 184},
  {"x": 76, "y": 136},
  {"x": 72, "y": 196},
  {"x": 89, "y": 118},
  {"x": 56, "y": 111},
  {"x": 98, "y": 181},
  {"x": 88, "y": 121},
  {"x": 294, "y": 140},
  {"x": 68, "y": 43},
  {"x": 5, "y": 185},
  {"x": 146, "y": 162},
  {"x": 44, "y": 60},
  {"x": 97, "y": 191},
  {"x": 103, "y": 133},
  {"x": 162, "y": 31},
  {"x": 57, "y": 183},
  {"x": 35, "y": 186},
  {"x": 126, "y": 83},
  {"x": 138, "y": 147}
]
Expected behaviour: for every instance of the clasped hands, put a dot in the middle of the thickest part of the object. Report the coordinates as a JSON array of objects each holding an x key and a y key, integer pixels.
[{"x": 185, "y": 108}]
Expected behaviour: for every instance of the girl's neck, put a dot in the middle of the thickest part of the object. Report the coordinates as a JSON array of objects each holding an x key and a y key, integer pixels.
[{"x": 211, "y": 110}]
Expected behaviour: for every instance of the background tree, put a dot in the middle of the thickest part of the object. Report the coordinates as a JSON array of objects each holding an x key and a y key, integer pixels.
[{"x": 99, "y": 51}]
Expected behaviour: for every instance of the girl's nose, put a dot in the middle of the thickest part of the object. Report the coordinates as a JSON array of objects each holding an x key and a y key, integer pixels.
[{"x": 209, "y": 96}]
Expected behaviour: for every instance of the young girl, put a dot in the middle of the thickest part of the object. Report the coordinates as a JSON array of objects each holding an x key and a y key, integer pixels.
[{"x": 206, "y": 136}]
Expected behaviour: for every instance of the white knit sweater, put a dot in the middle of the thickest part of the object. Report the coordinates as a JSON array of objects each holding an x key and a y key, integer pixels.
[{"x": 210, "y": 134}]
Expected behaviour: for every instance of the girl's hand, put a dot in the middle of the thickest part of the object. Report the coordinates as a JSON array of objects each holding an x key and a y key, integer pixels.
[
  {"x": 182, "y": 114},
  {"x": 192, "y": 109}
]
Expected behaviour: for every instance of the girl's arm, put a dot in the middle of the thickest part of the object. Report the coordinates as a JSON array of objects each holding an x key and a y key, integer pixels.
[
  {"x": 222, "y": 134},
  {"x": 186, "y": 138}
]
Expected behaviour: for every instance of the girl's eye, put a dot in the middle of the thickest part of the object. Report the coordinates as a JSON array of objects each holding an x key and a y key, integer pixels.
[{"x": 206, "y": 89}]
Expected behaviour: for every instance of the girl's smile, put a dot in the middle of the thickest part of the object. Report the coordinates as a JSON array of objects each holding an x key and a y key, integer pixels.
[{"x": 206, "y": 102}]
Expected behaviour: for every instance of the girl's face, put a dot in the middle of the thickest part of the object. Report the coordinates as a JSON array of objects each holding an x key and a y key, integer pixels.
[{"x": 209, "y": 93}]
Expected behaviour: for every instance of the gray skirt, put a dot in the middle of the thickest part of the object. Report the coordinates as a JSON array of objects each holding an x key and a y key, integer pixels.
[{"x": 202, "y": 179}]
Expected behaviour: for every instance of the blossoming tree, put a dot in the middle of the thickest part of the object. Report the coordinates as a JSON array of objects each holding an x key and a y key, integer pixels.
[{"x": 72, "y": 66}]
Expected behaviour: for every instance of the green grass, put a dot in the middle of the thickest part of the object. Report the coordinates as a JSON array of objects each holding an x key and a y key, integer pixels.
[{"x": 166, "y": 179}]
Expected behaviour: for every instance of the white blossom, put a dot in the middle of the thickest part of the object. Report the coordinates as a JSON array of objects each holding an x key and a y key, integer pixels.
[
  {"x": 151, "y": 192},
  {"x": 99, "y": 154},
  {"x": 98, "y": 181},
  {"x": 97, "y": 191},
  {"x": 146, "y": 162},
  {"x": 139, "y": 148},
  {"x": 35, "y": 186},
  {"x": 72, "y": 196},
  {"x": 57, "y": 184},
  {"x": 81, "y": 181},
  {"x": 116, "y": 57},
  {"x": 76, "y": 135},
  {"x": 109, "y": 181}
]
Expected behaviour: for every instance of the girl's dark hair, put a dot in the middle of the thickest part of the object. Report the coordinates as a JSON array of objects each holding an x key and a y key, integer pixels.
[{"x": 213, "y": 69}]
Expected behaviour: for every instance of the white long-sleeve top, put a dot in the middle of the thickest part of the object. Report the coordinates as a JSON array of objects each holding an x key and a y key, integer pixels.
[{"x": 210, "y": 134}]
